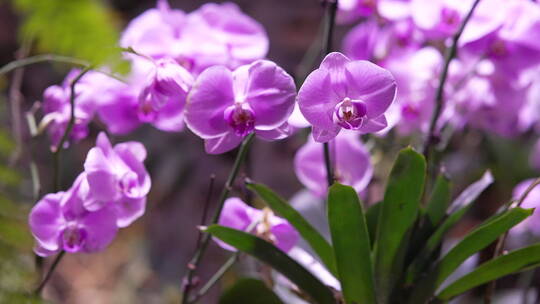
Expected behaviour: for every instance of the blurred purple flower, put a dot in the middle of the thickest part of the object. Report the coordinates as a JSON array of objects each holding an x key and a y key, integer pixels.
[
  {"x": 530, "y": 225},
  {"x": 224, "y": 106},
  {"x": 361, "y": 42},
  {"x": 346, "y": 94},
  {"x": 350, "y": 160},
  {"x": 416, "y": 75},
  {"x": 162, "y": 100},
  {"x": 156, "y": 32},
  {"x": 492, "y": 103},
  {"x": 439, "y": 18},
  {"x": 221, "y": 34},
  {"x": 117, "y": 177},
  {"x": 59, "y": 222},
  {"x": 506, "y": 32},
  {"x": 236, "y": 214},
  {"x": 350, "y": 10},
  {"x": 57, "y": 110}
]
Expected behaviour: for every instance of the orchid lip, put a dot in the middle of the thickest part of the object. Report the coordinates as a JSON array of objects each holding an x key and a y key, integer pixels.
[
  {"x": 73, "y": 237},
  {"x": 350, "y": 113},
  {"x": 241, "y": 118}
]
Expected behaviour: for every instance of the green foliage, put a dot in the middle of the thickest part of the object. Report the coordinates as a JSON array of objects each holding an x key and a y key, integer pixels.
[
  {"x": 17, "y": 274},
  {"x": 280, "y": 261},
  {"x": 83, "y": 29},
  {"x": 310, "y": 234},
  {"x": 397, "y": 218},
  {"x": 249, "y": 291},
  {"x": 352, "y": 248},
  {"x": 515, "y": 261}
]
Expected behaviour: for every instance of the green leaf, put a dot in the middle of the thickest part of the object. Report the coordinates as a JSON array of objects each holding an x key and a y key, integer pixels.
[
  {"x": 473, "y": 242},
  {"x": 461, "y": 205},
  {"x": 317, "y": 242},
  {"x": 372, "y": 219},
  {"x": 515, "y": 261},
  {"x": 439, "y": 200},
  {"x": 81, "y": 28},
  {"x": 397, "y": 217},
  {"x": 249, "y": 291},
  {"x": 352, "y": 248},
  {"x": 280, "y": 261}
]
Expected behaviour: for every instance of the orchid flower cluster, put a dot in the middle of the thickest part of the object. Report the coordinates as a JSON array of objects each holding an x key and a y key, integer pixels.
[
  {"x": 207, "y": 70},
  {"x": 109, "y": 194}
]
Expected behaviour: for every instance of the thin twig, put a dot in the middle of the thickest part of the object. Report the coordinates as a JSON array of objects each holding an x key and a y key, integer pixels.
[
  {"x": 16, "y": 98},
  {"x": 199, "y": 253},
  {"x": 67, "y": 131},
  {"x": 42, "y": 58},
  {"x": 49, "y": 273},
  {"x": 215, "y": 278},
  {"x": 331, "y": 8},
  {"x": 451, "y": 52},
  {"x": 490, "y": 288},
  {"x": 206, "y": 205}
]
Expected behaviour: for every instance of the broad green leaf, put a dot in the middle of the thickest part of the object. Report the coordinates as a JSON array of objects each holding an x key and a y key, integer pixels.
[
  {"x": 398, "y": 214},
  {"x": 317, "y": 242},
  {"x": 439, "y": 200},
  {"x": 248, "y": 290},
  {"x": 372, "y": 219},
  {"x": 352, "y": 248},
  {"x": 460, "y": 206},
  {"x": 280, "y": 261},
  {"x": 473, "y": 242},
  {"x": 515, "y": 261}
]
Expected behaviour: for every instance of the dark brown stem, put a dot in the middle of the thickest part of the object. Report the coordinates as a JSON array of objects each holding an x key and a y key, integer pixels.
[
  {"x": 49, "y": 273},
  {"x": 331, "y": 8},
  {"x": 69, "y": 127},
  {"x": 451, "y": 53},
  {"x": 203, "y": 245}
]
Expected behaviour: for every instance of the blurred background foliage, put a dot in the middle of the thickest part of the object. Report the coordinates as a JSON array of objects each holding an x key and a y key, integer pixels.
[{"x": 84, "y": 29}]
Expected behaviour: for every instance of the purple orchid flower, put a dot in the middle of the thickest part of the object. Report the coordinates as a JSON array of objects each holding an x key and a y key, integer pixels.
[
  {"x": 221, "y": 34},
  {"x": 351, "y": 163},
  {"x": 60, "y": 222},
  {"x": 351, "y": 10},
  {"x": 57, "y": 110},
  {"x": 416, "y": 74},
  {"x": 238, "y": 215},
  {"x": 505, "y": 32},
  {"x": 156, "y": 32},
  {"x": 532, "y": 223},
  {"x": 438, "y": 18},
  {"x": 347, "y": 94},
  {"x": 162, "y": 100},
  {"x": 117, "y": 176},
  {"x": 224, "y": 106}
]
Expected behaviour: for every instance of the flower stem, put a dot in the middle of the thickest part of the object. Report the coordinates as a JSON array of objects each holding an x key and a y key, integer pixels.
[
  {"x": 69, "y": 127},
  {"x": 49, "y": 273},
  {"x": 451, "y": 53},
  {"x": 490, "y": 288},
  {"x": 331, "y": 8},
  {"x": 41, "y": 58},
  {"x": 203, "y": 244},
  {"x": 215, "y": 278}
]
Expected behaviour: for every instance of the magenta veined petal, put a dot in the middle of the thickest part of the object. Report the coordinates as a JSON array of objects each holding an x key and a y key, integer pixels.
[
  {"x": 270, "y": 92},
  {"x": 210, "y": 95}
]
